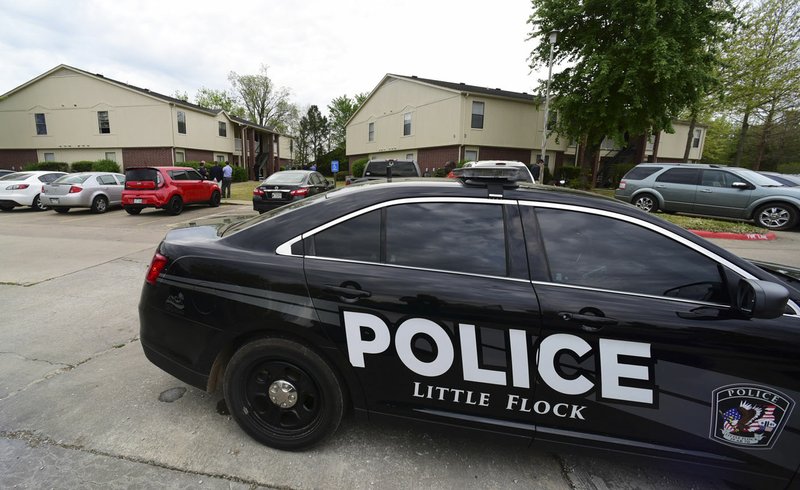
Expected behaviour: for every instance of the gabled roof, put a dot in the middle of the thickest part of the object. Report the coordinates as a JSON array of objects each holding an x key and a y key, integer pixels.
[
  {"x": 144, "y": 91},
  {"x": 463, "y": 87}
]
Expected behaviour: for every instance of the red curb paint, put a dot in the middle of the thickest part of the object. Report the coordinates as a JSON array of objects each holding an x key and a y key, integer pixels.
[{"x": 735, "y": 236}]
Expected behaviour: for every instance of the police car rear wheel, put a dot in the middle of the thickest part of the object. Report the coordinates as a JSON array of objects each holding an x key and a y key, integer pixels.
[{"x": 283, "y": 394}]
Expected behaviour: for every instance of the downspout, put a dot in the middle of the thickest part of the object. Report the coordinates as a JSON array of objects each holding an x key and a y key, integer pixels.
[
  {"x": 461, "y": 135},
  {"x": 172, "y": 125}
]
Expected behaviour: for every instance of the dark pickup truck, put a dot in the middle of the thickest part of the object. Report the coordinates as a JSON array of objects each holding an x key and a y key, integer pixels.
[{"x": 382, "y": 169}]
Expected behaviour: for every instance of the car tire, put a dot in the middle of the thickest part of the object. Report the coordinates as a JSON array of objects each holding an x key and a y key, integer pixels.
[
  {"x": 99, "y": 205},
  {"x": 283, "y": 394},
  {"x": 131, "y": 210},
  {"x": 61, "y": 210},
  {"x": 174, "y": 206},
  {"x": 776, "y": 216},
  {"x": 37, "y": 204},
  {"x": 215, "y": 198},
  {"x": 646, "y": 202}
]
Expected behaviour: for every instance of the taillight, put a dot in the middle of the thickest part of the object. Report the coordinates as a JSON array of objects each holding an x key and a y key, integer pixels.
[
  {"x": 17, "y": 187},
  {"x": 74, "y": 189},
  {"x": 303, "y": 191},
  {"x": 156, "y": 266},
  {"x": 258, "y": 192},
  {"x": 451, "y": 175},
  {"x": 622, "y": 185}
]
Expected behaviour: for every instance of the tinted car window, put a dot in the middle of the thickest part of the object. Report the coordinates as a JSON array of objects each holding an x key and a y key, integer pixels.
[
  {"x": 639, "y": 173},
  {"x": 106, "y": 180},
  {"x": 358, "y": 238},
  {"x": 285, "y": 178},
  {"x": 47, "y": 178},
  {"x": 399, "y": 169},
  {"x": 679, "y": 176},
  {"x": 139, "y": 174},
  {"x": 595, "y": 251},
  {"x": 71, "y": 179},
  {"x": 718, "y": 178},
  {"x": 178, "y": 175},
  {"x": 425, "y": 235},
  {"x": 193, "y": 175}
]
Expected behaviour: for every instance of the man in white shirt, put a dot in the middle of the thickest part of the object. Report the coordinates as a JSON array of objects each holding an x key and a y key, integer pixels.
[{"x": 227, "y": 177}]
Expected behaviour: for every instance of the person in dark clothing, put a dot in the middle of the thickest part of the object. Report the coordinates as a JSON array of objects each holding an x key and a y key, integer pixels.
[
  {"x": 203, "y": 170},
  {"x": 216, "y": 172}
]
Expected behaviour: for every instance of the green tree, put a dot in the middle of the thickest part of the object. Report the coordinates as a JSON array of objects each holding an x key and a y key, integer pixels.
[
  {"x": 341, "y": 109},
  {"x": 314, "y": 129},
  {"x": 264, "y": 102},
  {"x": 761, "y": 70},
  {"x": 219, "y": 99},
  {"x": 633, "y": 65},
  {"x": 181, "y": 96}
]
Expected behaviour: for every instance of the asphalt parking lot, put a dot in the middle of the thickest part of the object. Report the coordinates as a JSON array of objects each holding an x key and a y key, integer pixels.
[{"x": 81, "y": 407}]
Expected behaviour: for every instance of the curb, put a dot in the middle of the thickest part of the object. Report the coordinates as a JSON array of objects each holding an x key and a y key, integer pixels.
[{"x": 735, "y": 236}]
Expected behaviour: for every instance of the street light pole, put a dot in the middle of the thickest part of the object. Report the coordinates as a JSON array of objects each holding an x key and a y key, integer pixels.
[{"x": 552, "y": 38}]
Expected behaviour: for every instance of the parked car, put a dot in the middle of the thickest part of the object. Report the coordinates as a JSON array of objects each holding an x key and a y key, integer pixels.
[
  {"x": 789, "y": 180},
  {"x": 94, "y": 190},
  {"x": 167, "y": 188},
  {"x": 711, "y": 190},
  {"x": 524, "y": 174},
  {"x": 24, "y": 189},
  {"x": 381, "y": 169},
  {"x": 553, "y": 332},
  {"x": 288, "y": 186}
]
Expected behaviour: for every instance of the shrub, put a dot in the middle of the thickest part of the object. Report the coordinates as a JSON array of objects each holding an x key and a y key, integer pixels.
[
  {"x": 358, "y": 167},
  {"x": 105, "y": 166},
  {"x": 81, "y": 166},
  {"x": 51, "y": 166},
  {"x": 239, "y": 174},
  {"x": 618, "y": 171}
]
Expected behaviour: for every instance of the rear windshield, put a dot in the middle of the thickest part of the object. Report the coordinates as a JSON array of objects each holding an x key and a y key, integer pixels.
[
  {"x": 135, "y": 174},
  {"x": 72, "y": 179},
  {"x": 399, "y": 169},
  {"x": 16, "y": 176},
  {"x": 639, "y": 173},
  {"x": 286, "y": 178}
]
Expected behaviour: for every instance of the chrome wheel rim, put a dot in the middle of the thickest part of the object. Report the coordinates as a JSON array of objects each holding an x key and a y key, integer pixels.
[{"x": 774, "y": 217}]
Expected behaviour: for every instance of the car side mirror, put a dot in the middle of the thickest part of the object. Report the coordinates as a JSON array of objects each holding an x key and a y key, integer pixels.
[
  {"x": 740, "y": 185},
  {"x": 761, "y": 299}
]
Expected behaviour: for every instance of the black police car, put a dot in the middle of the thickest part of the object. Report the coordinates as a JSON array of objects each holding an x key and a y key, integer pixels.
[{"x": 541, "y": 314}]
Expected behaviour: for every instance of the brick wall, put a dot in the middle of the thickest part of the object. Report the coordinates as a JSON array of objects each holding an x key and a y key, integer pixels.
[
  {"x": 200, "y": 155},
  {"x": 146, "y": 157},
  {"x": 16, "y": 159},
  {"x": 433, "y": 158},
  {"x": 492, "y": 153}
]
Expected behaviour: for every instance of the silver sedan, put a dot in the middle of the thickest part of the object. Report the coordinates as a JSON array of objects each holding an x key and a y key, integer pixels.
[{"x": 94, "y": 190}]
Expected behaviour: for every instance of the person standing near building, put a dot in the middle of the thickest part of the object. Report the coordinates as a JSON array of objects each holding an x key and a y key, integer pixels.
[
  {"x": 203, "y": 170},
  {"x": 227, "y": 178},
  {"x": 216, "y": 172}
]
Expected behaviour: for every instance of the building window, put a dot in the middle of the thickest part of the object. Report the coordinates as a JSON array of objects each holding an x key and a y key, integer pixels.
[
  {"x": 180, "y": 157},
  {"x": 477, "y": 115},
  {"x": 49, "y": 157},
  {"x": 409, "y": 156},
  {"x": 111, "y": 155},
  {"x": 223, "y": 129},
  {"x": 371, "y": 132},
  {"x": 407, "y": 124},
  {"x": 181, "y": 122},
  {"x": 41, "y": 124},
  {"x": 471, "y": 155},
  {"x": 696, "y": 140},
  {"x": 552, "y": 119},
  {"x": 220, "y": 158},
  {"x": 103, "y": 123}
]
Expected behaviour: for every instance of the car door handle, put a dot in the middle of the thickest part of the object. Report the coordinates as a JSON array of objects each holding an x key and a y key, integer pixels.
[
  {"x": 346, "y": 292},
  {"x": 706, "y": 190},
  {"x": 588, "y": 323}
]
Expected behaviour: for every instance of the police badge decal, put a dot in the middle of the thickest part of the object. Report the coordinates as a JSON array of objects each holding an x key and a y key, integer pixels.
[{"x": 749, "y": 416}]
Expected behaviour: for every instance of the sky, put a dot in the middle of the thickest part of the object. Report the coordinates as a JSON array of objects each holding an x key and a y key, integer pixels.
[{"x": 318, "y": 49}]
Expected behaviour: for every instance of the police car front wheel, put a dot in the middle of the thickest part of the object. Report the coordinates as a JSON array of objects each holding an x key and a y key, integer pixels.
[{"x": 283, "y": 394}]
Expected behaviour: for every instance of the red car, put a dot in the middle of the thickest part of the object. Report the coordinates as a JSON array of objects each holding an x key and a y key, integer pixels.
[{"x": 167, "y": 188}]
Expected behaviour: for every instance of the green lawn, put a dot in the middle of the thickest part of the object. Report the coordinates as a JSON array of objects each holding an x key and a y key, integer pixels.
[{"x": 243, "y": 191}]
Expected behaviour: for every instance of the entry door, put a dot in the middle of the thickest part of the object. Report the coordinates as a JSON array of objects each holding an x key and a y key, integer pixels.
[
  {"x": 433, "y": 309},
  {"x": 639, "y": 331}
]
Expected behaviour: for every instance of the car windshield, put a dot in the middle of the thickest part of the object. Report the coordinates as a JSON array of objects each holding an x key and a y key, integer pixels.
[
  {"x": 758, "y": 179},
  {"x": 285, "y": 178},
  {"x": 72, "y": 179},
  {"x": 138, "y": 174},
  {"x": 399, "y": 169},
  {"x": 16, "y": 176}
]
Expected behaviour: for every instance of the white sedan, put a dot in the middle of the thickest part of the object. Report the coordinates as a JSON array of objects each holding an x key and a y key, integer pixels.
[{"x": 24, "y": 188}]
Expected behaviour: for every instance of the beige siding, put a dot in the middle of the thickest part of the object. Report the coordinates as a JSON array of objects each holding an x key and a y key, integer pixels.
[
  {"x": 285, "y": 147},
  {"x": 70, "y": 102}
]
